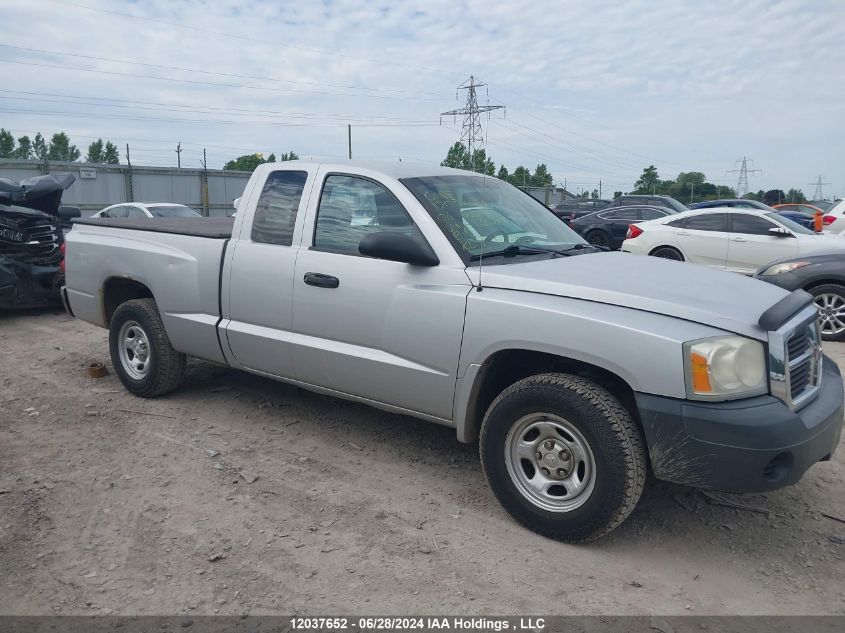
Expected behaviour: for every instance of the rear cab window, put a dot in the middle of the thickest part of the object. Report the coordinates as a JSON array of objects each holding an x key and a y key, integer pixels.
[{"x": 277, "y": 207}]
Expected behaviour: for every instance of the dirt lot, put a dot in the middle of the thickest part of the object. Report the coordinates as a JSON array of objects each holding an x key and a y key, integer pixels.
[{"x": 113, "y": 504}]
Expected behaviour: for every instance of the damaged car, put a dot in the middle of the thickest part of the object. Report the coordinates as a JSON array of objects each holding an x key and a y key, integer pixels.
[{"x": 32, "y": 241}]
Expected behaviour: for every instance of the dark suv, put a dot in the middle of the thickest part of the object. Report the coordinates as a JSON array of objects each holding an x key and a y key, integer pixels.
[
  {"x": 650, "y": 201},
  {"x": 573, "y": 209}
]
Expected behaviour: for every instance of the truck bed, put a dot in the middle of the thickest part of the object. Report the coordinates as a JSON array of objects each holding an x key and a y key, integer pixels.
[{"x": 215, "y": 228}]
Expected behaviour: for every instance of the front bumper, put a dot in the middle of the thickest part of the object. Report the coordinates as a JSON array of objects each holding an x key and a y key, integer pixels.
[
  {"x": 24, "y": 285},
  {"x": 750, "y": 445}
]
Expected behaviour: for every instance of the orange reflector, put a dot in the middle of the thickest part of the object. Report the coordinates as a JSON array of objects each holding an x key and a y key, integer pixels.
[{"x": 700, "y": 374}]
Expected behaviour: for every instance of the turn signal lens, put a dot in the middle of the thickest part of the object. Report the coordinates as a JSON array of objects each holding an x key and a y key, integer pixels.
[{"x": 700, "y": 374}]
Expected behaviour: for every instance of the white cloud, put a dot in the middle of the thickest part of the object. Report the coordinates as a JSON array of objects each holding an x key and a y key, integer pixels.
[{"x": 616, "y": 85}]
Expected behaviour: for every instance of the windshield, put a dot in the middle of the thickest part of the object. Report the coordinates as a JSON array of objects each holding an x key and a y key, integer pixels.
[
  {"x": 674, "y": 204},
  {"x": 485, "y": 215},
  {"x": 792, "y": 226},
  {"x": 173, "y": 211}
]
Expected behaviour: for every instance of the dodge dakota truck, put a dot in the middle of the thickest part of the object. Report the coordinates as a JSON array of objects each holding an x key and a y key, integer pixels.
[{"x": 456, "y": 298}]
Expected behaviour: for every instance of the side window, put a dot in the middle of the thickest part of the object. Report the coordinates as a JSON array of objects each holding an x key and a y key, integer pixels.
[
  {"x": 275, "y": 212},
  {"x": 680, "y": 223},
  {"x": 133, "y": 212},
  {"x": 352, "y": 207},
  {"x": 622, "y": 214},
  {"x": 652, "y": 214},
  {"x": 708, "y": 222},
  {"x": 748, "y": 224},
  {"x": 117, "y": 212}
]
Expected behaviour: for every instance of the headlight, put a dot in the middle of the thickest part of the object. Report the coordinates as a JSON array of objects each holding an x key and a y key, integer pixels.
[
  {"x": 777, "y": 269},
  {"x": 724, "y": 368}
]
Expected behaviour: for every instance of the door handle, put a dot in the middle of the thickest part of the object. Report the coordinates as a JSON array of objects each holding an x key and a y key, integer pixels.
[
  {"x": 681, "y": 233},
  {"x": 321, "y": 281},
  {"x": 739, "y": 239}
]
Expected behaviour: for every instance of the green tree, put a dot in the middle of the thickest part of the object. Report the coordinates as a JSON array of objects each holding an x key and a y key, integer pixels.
[
  {"x": 247, "y": 162},
  {"x": 617, "y": 194},
  {"x": 110, "y": 154},
  {"x": 288, "y": 156},
  {"x": 61, "y": 148},
  {"x": 271, "y": 158},
  {"x": 481, "y": 163},
  {"x": 503, "y": 173},
  {"x": 24, "y": 149},
  {"x": 95, "y": 152},
  {"x": 520, "y": 177},
  {"x": 542, "y": 177},
  {"x": 457, "y": 157},
  {"x": 695, "y": 178},
  {"x": 7, "y": 144},
  {"x": 39, "y": 147},
  {"x": 648, "y": 181},
  {"x": 795, "y": 195}
]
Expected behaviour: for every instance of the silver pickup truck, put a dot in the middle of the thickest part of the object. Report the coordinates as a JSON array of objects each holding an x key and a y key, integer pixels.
[{"x": 456, "y": 298}]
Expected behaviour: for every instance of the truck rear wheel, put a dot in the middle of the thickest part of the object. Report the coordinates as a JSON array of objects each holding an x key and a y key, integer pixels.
[
  {"x": 563, "y": 456},
  {"x": 141, "y": 353}
]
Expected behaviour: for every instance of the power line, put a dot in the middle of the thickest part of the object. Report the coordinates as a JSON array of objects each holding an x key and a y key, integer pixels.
[
  {"x": 275, "y": 44},
  {"x": 215, "y": 73},
  {"x": 210, "y": 83},
  {"x": 176, "y": 107}
]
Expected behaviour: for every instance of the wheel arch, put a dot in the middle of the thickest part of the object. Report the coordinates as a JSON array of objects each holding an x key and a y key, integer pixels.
[
  {"x": 505, "y": 367},
  {"x": 117, "y": 290},
  {"x": 674, "y": 247}
]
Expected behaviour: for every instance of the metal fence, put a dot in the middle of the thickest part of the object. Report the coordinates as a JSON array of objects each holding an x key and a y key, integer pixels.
[{"x": 97, "y": 186}]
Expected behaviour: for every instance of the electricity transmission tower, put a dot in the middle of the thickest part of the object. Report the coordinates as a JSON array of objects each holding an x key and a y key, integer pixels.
[
  {"x": 471, "y": 133},
  {"x": 743, "y": 171},
  {"x": 819, "y": 184}
]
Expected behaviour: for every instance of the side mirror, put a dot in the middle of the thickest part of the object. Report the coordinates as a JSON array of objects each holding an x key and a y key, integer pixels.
[
  {"x": 68, "y": 213},
  {"x": 779, "y": 231},
  {"x": 397, "y": 247},
  {"x": 235, "y": 203}
]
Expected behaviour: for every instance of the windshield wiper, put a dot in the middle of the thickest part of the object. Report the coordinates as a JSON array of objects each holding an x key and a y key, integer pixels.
[{"x": 521, "y": 249}]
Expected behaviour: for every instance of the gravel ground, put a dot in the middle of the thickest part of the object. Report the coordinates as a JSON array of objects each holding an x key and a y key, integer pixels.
[{"x": 110, "y": 504}]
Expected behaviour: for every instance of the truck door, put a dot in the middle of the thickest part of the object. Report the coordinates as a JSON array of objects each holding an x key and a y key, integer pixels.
[
  {"x": 261, "y": 274},
  {"x": 383, "y": 330}
]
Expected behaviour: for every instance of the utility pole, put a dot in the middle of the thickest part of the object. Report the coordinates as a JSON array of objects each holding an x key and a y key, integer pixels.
[
  {"x": 205, "y": 206},
  {"x": 349, "y": 137},
  {"x": 130, "y": 193},
  {"x": 599, "y": 189},
  {"x": 743, "y": 171},
  {"x": 691, "y": 191},
  {"x": 472, "y": 135},
  {"x": 179, "y": 155},
  {"x": 819, "y": 184}
]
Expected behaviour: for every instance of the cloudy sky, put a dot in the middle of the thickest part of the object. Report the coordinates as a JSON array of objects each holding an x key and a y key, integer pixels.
[{"x": 595, "y": 89}]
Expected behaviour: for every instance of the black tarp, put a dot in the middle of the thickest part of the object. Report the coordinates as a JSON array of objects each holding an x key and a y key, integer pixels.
[{"x": 42, "y": 193}]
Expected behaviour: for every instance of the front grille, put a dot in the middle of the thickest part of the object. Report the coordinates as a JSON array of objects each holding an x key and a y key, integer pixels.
[
  {"x": 34, "y": 242},
  {"x": 796, "y": 359}
]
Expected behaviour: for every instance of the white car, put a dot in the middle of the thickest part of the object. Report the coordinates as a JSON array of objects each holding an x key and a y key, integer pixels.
[
  {"x": 739, "y": 240},
  {"x": 838, "y": 213},
  {"x": 147, "y": 210}
]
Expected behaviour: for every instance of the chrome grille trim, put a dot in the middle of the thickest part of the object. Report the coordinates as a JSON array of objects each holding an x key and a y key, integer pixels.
[{"x": 796, "y": 379}]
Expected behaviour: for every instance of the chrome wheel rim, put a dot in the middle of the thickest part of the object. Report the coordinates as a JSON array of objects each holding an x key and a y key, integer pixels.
[
  {"x": 134, "y": 348},
  {"x": 831, "y": 313},
  {"x": 550, "y": 462}
]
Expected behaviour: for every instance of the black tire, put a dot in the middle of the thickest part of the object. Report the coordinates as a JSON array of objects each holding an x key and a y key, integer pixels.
[
  {"x": 832, "y": 291},
  {"x": 597, "y": 237},
  {"x": 667, "y": 252},
  {"x": 166, "y": 366},
  {"x": 612, "y": 436}
]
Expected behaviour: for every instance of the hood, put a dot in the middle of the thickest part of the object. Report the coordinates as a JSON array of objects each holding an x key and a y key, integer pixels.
[
  {"x": 686, "y": 291},
  {"x": 41, "y": 193}
]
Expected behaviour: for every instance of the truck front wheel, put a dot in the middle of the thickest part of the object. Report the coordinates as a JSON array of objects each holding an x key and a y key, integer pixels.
[
  {"x": 141, "y": 353},
  {"x": 563, "y": 456}
]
